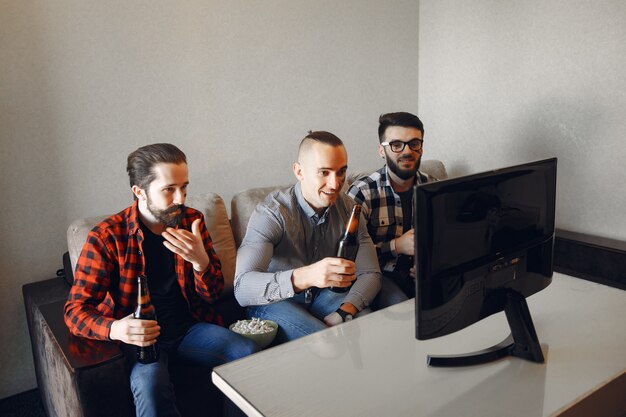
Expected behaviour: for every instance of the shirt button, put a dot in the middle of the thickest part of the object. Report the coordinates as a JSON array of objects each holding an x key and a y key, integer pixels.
[{"x": 139, "y": 252}]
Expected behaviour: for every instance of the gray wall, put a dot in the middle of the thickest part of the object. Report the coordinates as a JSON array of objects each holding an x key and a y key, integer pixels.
[
  {"x": 505, "y": 82},
  {"x": 236, "y": 84}
]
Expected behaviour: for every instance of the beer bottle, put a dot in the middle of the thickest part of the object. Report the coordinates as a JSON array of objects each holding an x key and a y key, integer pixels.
[
  {"x": 145, "y": 311},
  {"x": 348, "y": 245}
]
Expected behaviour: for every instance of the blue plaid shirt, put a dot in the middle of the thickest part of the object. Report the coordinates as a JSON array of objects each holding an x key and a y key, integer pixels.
[{"x": 382, "y": 209}]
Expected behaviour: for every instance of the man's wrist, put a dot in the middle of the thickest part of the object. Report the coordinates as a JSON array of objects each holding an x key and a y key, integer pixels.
[
  {"x": 345, "y": 316},
  {"x": 392, "y": 247},
  {"x": 199, "y": 269},
  {"x": 349, "y": 308},
  {"x": 297, "y": 282}
]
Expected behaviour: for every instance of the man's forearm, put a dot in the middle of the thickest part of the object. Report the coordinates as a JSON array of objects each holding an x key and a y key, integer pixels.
[
  {"x": 364, "y": 289},
  {"x": 259, "y": 288}
]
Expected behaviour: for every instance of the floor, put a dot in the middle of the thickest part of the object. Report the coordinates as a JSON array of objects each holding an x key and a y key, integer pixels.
[{"x": 26, "y": 404}]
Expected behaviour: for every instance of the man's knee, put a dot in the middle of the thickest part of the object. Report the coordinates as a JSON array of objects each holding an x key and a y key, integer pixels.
[{"x": 241, "y": 347}]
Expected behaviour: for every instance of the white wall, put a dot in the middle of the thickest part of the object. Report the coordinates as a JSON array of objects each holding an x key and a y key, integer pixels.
[
  {"x": 505, "y": 82},
  {"x": 236, "y": 84}
]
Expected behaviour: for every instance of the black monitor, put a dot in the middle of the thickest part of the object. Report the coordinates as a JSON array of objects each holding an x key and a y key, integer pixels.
[{"x": 483, "y": 243}]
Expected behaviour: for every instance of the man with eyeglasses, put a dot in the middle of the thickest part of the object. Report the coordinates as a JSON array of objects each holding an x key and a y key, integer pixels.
[{"x": 386, "y": 199}]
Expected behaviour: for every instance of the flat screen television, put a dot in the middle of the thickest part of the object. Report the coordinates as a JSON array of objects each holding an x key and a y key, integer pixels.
[{"x": 483, "y": 243}]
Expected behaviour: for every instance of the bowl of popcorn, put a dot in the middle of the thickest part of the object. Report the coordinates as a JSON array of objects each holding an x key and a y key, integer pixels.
[{"x": 261, "y": 332}]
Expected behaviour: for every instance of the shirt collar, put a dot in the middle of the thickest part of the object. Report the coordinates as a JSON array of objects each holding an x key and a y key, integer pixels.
[
  {"x": 306, "y": 207},
  {"x": 133, "y": 218}
]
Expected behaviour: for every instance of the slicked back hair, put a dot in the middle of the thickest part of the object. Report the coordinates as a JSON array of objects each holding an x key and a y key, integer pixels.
[
  {"x": 402, "y": 119},
  {"x": 320, "y": 136},
  {"x": 140, "y": 163}
]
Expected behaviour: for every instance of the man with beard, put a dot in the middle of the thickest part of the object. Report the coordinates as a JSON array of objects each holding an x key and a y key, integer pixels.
[
  {"x": 159, "y": 237},
  {"x": 386, "y": 197}
]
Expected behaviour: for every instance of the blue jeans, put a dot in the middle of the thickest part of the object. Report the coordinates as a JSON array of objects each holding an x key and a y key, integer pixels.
[
  {"x": 204, "y": 345},
  {"x": 390, "y": 293},
  {"x": 296, "y": 318}
]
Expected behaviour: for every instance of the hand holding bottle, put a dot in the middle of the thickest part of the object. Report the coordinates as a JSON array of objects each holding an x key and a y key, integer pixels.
[
  {"x": 328, "y": 272},
  {"x": 143, "y": 315},
  {"x": 136, "y": 332}
]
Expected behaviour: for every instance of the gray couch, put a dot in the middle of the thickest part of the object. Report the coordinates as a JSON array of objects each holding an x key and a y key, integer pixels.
[{"x": 79, "y": 377}]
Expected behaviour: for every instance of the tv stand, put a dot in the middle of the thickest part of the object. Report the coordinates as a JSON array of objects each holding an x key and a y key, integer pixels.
[{"x": 522, "y": 342}]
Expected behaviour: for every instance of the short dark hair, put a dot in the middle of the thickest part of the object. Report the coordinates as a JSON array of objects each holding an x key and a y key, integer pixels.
[
  {"x": 402, "y": 119},
  {"x": 320, "y": 136},
  {"x": 140, "y": 163}
]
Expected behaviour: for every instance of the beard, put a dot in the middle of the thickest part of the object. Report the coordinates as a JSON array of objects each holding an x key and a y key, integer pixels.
[
  {"x": 167, "y": 216},
  {"x": 405, "y": 174}
]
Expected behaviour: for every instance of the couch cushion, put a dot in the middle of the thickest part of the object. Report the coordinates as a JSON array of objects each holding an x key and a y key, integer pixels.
[
  {"x": 241, "y": 207},
  {"x": 216, "y": 219},
  {"x": 244, "y": 202}
]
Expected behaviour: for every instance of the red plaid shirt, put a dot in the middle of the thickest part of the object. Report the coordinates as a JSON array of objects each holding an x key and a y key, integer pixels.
[{"x": 105, "y": 280}]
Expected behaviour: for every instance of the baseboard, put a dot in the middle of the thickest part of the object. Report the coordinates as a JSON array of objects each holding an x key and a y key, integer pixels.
[{"x": 592, "y": 258}]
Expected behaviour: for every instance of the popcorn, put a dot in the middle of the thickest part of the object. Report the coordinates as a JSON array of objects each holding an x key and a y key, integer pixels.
[{"x": 254, "y": 326}]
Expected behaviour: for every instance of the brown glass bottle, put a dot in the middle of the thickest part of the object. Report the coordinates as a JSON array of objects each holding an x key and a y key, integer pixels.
[
  {"x": 348, "y": 245},
  {"x": 145, "y": 311}
]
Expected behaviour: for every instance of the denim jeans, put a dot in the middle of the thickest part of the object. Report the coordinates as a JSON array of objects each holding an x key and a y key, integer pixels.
[
  {"x": 296, "y": 318},
  {"x": 204, "y": 345},
  {"x": 391, "y": 292}
]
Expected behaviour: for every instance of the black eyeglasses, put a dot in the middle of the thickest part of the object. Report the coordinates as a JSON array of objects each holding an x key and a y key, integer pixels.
[{"x": 397, "y": 146}]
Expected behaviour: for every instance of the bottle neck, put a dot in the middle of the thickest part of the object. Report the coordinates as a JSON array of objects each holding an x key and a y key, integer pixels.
[
  {"x": 143, "y": 295},
  {"x": 353, "y": 223}
]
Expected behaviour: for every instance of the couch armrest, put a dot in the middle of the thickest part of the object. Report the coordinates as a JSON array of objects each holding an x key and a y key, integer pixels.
[
  {"x": 71, "y": 377},
  {"x": 78, "y": 353}
]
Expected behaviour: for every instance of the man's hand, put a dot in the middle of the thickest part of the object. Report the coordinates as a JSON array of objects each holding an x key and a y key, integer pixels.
[
  {"x": 334, "y": 318},
  {"x": 187, "y": 244},
  {"x": 412, "y": 272},
  {"x": 329, "y": 272},
  {"x": 405, "y": 244},
  {"x": 135, "y": 331}
]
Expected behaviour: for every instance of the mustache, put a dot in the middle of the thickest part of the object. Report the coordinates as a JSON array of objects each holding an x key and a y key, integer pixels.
[{"x": 174, "y": 208}]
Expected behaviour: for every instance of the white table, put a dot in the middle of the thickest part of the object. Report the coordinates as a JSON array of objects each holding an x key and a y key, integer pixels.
[{"x": 374, "y": 366}]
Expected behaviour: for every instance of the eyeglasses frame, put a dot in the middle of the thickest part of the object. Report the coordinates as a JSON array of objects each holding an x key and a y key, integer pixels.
[{"x": 404, "y": 145}]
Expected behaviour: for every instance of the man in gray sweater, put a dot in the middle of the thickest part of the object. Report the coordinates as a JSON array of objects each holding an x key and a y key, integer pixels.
[{"x": 286, "y": 264}]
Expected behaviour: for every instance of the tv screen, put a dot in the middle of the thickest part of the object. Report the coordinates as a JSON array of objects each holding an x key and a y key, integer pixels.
[{"x": 481, "y": 239}]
